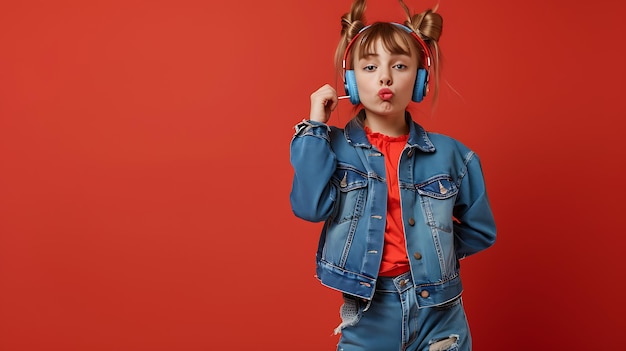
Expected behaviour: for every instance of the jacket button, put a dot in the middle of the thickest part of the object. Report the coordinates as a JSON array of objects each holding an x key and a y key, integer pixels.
[
  {"x": 417, "y": 255},
  {"x": 411, "y": 221},
  {"x": 424, "y": 294},
  {"x": 410, "y": 153}
]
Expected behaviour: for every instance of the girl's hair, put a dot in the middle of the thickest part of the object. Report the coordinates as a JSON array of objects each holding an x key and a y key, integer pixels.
[{"x": 427, "y": 25}]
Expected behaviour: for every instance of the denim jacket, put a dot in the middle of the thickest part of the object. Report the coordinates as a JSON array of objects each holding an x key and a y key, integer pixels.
[{"x": 339, "y": 178}]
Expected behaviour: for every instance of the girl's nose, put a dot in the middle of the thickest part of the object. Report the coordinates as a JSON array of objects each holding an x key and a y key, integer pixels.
[{"x": 385, "y": 78}]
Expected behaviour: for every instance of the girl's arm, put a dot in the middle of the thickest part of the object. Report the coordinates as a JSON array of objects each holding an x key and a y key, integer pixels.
[
  {"x": 475, "y": 229},
  {"x": 312, "y": 195}
]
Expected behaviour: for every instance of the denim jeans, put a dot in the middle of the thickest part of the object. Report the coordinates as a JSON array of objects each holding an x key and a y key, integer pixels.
[{"x": 393, "y": 321}]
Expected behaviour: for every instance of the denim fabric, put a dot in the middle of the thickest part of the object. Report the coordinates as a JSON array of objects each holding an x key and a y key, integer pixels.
[
  {"x": 339, "y": 178},
  {"x": 393, "y": 321}
]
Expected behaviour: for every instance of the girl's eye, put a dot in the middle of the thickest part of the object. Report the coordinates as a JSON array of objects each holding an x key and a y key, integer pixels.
[
  {"x": 401, "y": 66},
  {"x": 369, "y": 67}
]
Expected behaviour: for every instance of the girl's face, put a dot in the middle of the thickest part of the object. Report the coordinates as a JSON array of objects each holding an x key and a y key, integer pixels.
[{"x": 385, "y": 81}]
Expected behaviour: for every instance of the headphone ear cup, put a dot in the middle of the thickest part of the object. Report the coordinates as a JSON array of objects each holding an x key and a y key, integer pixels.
[
  {"x": 420, "y": 85},
  {"x": 350, "y": 87}
]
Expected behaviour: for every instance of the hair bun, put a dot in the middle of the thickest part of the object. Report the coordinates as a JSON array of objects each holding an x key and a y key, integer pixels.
[
  {"x": 428, "y": 24},
  {"x": 350, "y": 28},
  {"x": 353, "y": 21}
]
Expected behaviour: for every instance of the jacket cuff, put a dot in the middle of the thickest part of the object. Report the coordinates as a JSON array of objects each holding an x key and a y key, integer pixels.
[{"x": 308, "y": 127}]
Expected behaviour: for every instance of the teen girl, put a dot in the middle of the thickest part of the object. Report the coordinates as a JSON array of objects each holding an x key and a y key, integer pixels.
[{"x": 400, "y": 205}]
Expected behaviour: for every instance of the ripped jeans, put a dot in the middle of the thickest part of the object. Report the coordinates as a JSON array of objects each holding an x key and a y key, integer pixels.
[{"x": 393, "y": 321}]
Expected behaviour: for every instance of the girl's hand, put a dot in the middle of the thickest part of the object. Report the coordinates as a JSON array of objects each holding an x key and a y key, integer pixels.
[{"x": 323, "y": 102}]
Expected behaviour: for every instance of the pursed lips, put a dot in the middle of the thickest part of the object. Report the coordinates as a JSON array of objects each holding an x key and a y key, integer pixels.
[{"x": 385, "y": 94}]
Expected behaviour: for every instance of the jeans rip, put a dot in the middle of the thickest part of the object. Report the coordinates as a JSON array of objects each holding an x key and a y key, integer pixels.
[{"x": 350, "y": 312}]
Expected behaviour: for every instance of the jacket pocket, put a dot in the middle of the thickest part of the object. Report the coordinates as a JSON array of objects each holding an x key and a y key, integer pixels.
[
  {"x": 352, "y": 186},
  {"x": 437, "y": 196},
  {"x": 349, "y": 207}
]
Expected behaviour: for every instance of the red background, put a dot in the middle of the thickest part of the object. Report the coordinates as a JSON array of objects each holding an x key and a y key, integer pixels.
[{"x": 144, "y": 173}]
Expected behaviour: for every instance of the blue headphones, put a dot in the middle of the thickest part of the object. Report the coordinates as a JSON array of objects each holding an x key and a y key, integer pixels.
[{"x": 421, "y": 81}]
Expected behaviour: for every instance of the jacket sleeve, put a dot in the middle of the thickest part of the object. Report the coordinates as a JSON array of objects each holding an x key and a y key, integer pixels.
[
  {"x": 475, "y": 229},
  {"x": 312, "y": 194}
]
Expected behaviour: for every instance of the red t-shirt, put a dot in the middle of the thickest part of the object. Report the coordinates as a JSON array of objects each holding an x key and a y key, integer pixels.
[{"x": 395, "y": 260}]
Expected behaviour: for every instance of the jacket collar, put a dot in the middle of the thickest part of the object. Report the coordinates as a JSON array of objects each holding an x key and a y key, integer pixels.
[{"x": 355, "y": 133}]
